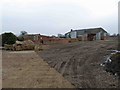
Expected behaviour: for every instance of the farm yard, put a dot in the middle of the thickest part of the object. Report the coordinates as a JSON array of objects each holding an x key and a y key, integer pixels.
[
  {"x": 25, "y": 69},
  {"x": 60, "y": 44},
  {"x": 79, "y": 63},
  {"x": 71, "y": 65}
]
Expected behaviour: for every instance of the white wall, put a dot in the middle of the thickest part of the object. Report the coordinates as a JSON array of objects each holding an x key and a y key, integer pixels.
[
  {"x": 73, "y": 34},
  {"x": 98, "y": 36}
]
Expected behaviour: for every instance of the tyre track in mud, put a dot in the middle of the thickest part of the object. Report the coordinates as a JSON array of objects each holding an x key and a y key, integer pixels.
[{"x": 79, "y": 63}]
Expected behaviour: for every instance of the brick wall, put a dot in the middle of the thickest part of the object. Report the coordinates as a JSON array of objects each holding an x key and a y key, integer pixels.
[{"x": 37, "y": 39}]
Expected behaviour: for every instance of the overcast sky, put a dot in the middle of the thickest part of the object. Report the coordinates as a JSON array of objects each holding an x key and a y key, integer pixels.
[{"x": 51, "y": 17}]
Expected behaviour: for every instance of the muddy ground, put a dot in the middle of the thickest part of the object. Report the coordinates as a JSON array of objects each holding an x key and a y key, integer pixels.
[
  {"x": 80, "y": 62},
  {"x": 25, "y": 69}
]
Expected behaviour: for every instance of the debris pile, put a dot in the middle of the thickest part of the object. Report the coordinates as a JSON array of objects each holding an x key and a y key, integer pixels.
[
  {"x": 8, "y": 47},
  {"x": 18, "y": 46},
  {"x": 28, "y": 45},
  {"x": 112, "y": 63},
  {"x": 38, "y": 48}
]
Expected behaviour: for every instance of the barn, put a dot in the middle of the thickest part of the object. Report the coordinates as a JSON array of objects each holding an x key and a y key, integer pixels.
[{"x": 88, "y": 34}]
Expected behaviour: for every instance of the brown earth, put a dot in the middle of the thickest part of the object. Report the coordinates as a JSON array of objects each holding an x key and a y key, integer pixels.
[
  {"x": 80, "y": 62},
  {"x": 25, "y": 69}
]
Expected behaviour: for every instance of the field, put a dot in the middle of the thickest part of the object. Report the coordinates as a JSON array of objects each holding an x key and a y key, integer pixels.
[
  {"x": 25, "y": 69},
  {"x": 61, "y": 66},
  {"x": 79, "y": 63}
]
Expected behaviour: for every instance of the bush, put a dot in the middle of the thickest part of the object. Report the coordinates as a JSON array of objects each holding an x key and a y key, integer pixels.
[
  {"x": 8, "y": 38},
  {"x": 20, "y": 38}
]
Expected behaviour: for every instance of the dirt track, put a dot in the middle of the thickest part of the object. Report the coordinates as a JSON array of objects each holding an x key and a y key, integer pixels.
[
  {"x": 25, "y": 69},
  {"x": 80, "y": 63}
]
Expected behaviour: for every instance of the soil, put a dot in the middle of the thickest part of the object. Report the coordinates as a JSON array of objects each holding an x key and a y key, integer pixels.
[
  {"x": 79, "y": 62},
  {"x": 25, "y": 69}
]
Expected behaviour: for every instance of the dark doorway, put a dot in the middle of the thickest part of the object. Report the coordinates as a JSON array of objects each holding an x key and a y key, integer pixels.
[{"x": 91, "y": 37}]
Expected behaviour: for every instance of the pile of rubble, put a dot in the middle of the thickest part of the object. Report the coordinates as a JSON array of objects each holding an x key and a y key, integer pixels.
[{"x": 23, "y": 45}]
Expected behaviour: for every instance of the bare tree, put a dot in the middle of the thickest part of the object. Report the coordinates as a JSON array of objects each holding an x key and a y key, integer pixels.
[{"x": 23, "y": 33}]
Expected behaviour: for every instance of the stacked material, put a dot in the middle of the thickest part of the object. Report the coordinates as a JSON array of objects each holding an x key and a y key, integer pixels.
[
  {"x": 28, "y": 45},
  {"x": 38, "y": 48},
  {"x": 8, "y": 47},
  {"x": 17, "y": 46},
  {"x": 25, "y": 45}
]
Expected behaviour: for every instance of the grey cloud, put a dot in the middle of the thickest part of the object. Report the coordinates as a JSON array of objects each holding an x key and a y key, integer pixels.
[{"x": 52, "y": 19}]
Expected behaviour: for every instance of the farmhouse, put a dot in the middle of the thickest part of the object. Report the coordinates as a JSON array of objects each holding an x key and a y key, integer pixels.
[{"x": 87, "y": 34}]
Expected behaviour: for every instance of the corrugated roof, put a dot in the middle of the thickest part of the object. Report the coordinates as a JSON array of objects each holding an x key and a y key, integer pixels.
[{"x": 91, "y": 30}]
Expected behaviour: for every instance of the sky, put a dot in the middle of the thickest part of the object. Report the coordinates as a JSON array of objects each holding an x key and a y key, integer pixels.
[{"x": 50, "y": 17}]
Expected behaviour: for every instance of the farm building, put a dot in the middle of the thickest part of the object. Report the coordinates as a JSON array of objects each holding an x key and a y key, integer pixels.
[
  {"x": 38, "y": 39},
  {"x": 87, "y": 34}
]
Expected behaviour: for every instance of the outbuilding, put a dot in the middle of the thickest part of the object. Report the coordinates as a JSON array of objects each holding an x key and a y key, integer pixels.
[{"x": 88, "y": 34}]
